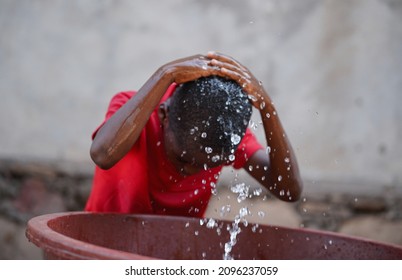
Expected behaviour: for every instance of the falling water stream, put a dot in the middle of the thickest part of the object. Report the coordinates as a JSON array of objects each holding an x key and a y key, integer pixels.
[{"x": 242, "y": 191}]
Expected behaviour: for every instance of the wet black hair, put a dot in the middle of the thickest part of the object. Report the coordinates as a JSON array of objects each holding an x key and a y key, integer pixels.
[{"x": 213, "y": 111}]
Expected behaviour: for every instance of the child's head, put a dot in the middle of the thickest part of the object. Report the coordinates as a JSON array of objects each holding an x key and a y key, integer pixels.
[{"x": 208, "y": 117}]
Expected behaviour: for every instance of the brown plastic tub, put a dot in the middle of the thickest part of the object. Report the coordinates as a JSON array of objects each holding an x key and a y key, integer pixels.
[{"x": 83, "y": 235}]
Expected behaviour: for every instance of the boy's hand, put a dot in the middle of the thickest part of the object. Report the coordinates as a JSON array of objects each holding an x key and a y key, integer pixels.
[
  {"x": 232, "y": 69},
  {"x": 190, "y": 68}
]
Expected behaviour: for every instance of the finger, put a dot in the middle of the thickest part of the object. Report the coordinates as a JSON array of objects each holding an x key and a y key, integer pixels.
[
  {"x": 225, "y": 58},
  {"x": 242, "y": 80},
  {"x": 229, "y": 66}
]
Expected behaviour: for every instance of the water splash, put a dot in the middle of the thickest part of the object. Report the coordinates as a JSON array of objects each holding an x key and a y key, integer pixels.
[
  {"x": 234, "y": 230},
  {"x": 242, "y": 191}
]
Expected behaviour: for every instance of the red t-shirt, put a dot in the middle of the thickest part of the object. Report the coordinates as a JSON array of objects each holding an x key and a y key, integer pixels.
[{"x": 144, "y": 181}]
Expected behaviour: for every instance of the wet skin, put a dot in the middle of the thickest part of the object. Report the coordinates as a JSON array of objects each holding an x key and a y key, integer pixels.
[{"x": 116, "y": 137}]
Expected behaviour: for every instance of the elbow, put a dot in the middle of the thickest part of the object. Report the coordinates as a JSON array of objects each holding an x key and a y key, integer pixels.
[
  {"x": 100, "y": 158},
  {"x": 296, "y": 192},
  {"x": 293, "y": 191},
  {"x": 294, "y": 198}
]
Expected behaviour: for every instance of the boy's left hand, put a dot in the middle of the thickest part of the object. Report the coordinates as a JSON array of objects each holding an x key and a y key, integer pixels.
[{"x": 233, "y": 70}]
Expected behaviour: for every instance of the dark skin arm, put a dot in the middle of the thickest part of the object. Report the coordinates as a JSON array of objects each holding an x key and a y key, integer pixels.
[{"x": 277, "y": 170}]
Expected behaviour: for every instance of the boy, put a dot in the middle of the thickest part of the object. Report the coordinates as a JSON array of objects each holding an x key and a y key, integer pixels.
[{"x": 161, "y": 149}]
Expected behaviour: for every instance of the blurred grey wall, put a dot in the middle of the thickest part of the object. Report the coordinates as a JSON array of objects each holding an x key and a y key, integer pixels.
[{"x": 333, "y": 69}]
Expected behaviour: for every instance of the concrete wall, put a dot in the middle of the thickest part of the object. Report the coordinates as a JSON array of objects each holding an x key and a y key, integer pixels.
[{"x": 332, "y": 67}]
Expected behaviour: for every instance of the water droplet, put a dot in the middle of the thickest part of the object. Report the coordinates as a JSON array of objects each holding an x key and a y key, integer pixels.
[
  {"x": 279, "y": 178},
  {"x": 252, "y": 97},
  {"x": 232, "y": 157},
  {"x": 216, "y": 158},
  {"x": 187, "y": 224},
  {"x": 250, "y": 168},
  {"x": 225, "y": 209},
  {"x": 196, "y": 233},
  {"x": 282, "y": 193},
  {"x": 257, "y": 191},
  {"x": 243, "y": 212},
  {"x": 208, "y": 150},
  {"x": 158, "y": 143},
  {"x": 268, "y": 150},
  {"x": 204, "y": 135},
  {"x": 211, "y": 223},
  {"x": 261, "y": 214},
  {"x": 262, "y": 105},
  {"x": 254, "y": 227},
  {"x": 268, "y": 115},
  {"x": 196, "y": 192},
  {"x": 287, "y": 160},
  {"x": 235, "y": 139}
]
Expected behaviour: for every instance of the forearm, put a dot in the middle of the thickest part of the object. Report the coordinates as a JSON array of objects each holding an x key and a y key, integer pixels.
[
  {"x": 117, "y": 136},
  {"x": 285, "y": 182}
]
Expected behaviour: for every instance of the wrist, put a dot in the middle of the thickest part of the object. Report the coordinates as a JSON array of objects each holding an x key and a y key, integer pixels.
[{"x": 165, "y": 74}]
